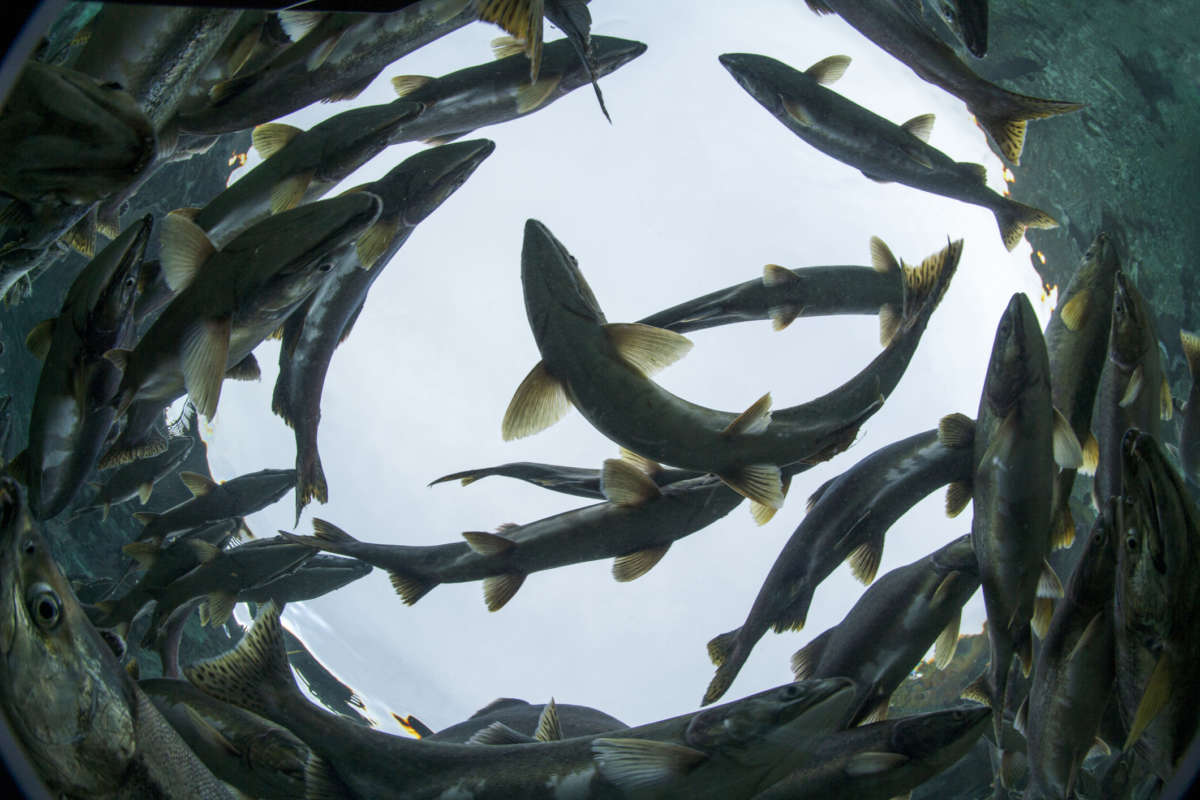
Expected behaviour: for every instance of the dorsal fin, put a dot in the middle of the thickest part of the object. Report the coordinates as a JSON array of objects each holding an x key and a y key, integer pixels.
[
  {"x": 271, "y": 137},
  {"x": 196, "y": 483},
  {"x": 920, "y": 126}
]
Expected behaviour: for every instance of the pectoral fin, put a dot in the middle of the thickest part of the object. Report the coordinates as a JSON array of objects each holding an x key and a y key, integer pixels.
[
  {"x": 271, "y": 137},
  {"x": 1156, "y": 695},
  {"x": 643, "y": 764},
  {"x": 947, "y": 643},
  {"x": 531, "y": 96},
  {"x": 375, "y": 241},
  {"x": 626, "y": 485},
  {"x": 1074, "y": 312},
  {"x": 874, "y": 763},
  {"x": 199, "y": 485},
  {"x": 1133, "y": 388},
  {"x": 540, "y": 401},
  {"x": 184, "y": 249},
  {"x": 1068, "y": 453},
  {"x": 288, "y": 193},
  {"x": 204, "y": 352},
  {"x": 646, "y": 348},
  {"x": 38, "y": 340}
]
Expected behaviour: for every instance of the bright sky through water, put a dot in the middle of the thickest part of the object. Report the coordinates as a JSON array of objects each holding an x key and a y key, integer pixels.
[{"x": 693, "y": 188}]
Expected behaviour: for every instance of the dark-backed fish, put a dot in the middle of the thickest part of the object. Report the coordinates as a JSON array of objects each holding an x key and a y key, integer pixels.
[
  {"x": 212, "y": 501},
  {"x": 697, "y": 755},
  {"x": 138, "y": 478},
  {"x": 86, "y": 727},
  {"x": 882, "y": 150},
  {"x": 1001, "y": 113},
  {"x": 499, "y": 91},
  {"x": 408, "y": 193},
  {"x": 603, "y": 370},
  {"x": 848, "y": 518},
  {"x": 72, "y": 407},
  {"x": 891, "y": 627},
  {"x": 635, "y": 527}
]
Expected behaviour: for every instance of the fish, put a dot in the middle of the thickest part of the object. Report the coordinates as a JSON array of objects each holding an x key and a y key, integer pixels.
[
  {"x": 226, "y": 574},
  {"x": 659, "y": 757},
  {"x": 164, "y": 563},
  {"x": 1074, "y": 674},
  {"x": 230, "y": 301},
  {"x": 784, "y": 294},
  {"x": 635, "y": 527},
  {"x": 255, "y": 756},
  {"x": 1189, "y": 430},
  {"x": 154, "y": 53},
  {"x": 85, "y": 726},
  {"x": 212, "y": 501},
  {"x": 71, "y": 141},
  {"x": 409, "y": 193},
  {"x": 1076, "y": 341},
  {"x": 325, "y": 67},
  {"x": 1134, "y": 392},
  {"x": 521, "y": 719},
  {"x": 1001, "y": 113},
  {"x": 318, "y": 576},
  {"x": 888, "y": 631},
  {"x": 300, "y": 166},
  {"x": 72, "y": 411},
  {"x": 499, "y": 91},
  {"x": 323, "y": 684},
  {"x": 603, "y": 370},
  {"x": 1019, "y": 438},
  {"x": 1156, "y": 606},
  {"x": 575, "y": 481},
  {"x": 847, "y": 519},
  {"x": 138, "y": 478},
  {"x": 885, "y": 759},
  {"x": 880, "y": 149}
]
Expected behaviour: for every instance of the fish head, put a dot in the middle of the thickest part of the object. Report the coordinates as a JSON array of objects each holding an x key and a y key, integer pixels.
[
  {"x": 1102, "y": 255},
  {"x": 610, "y": 54},
  {"x": 551, "y": 279},
  {"x": 305, "y": 245},
  {"x": 81, "y": 139},
  {"x": 805, "y": 707},
  {"x": 938, "y": 738},
  {"x": 66, "y": 698},
  {"x": 1016, "y": 362},
  {"x": 1091, "y": 583},
  {"x": 421, "y": 183},
  {"x": 366, "y": 129},
  {"x": 117, "y": 292},
  {"x": 770, "y": 82},
  {"x": 1142, "y": 596},
  {"x": 957, "y": 556},
  {"x": 262, "y": 488},
  {"x": 1130, "y": 324}
]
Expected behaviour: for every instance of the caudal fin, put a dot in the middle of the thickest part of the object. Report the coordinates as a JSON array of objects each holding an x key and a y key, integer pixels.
[
  {"x": 1013, "y": 218},
  {"x": 255, "y": 674},
  {"x": 1006, "y": 124}
]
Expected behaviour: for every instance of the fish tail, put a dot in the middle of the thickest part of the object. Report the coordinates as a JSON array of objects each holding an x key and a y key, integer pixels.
[
  {"x": 310, "y": 479},
  {"x": 721, "y": 646},
  {"x": 1013, "y": 218},
  {"x": 1006, "y": 124},
  {"x": 722, "y": 680},
  {"x": 255, "y": 674},
  {"x": 926, "y": 283}
]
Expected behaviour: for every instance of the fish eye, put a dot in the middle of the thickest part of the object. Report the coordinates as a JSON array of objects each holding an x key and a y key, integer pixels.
[
  {"x": 30, "y": 547},
  {"x": 1131, "y": 544},
  {"x": 325, "y": 266},
  {"x": 791, "y": 692},
  {"x": 44, "y": 606}
]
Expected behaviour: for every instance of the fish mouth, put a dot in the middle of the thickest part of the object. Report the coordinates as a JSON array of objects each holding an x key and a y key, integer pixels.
[
  {"x": 613, "y": 53},
  {"x": 458, "y": 162}
]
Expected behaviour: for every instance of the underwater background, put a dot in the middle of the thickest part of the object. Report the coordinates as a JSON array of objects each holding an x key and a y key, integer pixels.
[{"x": 690, "y": 189}]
